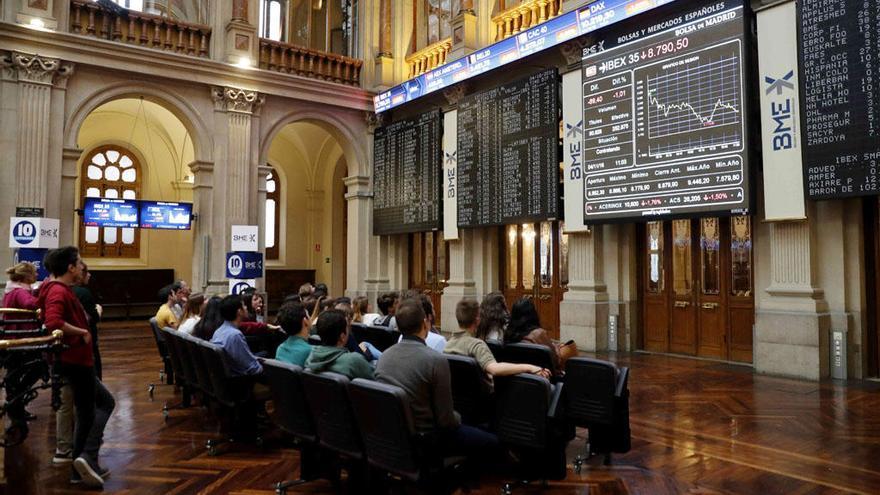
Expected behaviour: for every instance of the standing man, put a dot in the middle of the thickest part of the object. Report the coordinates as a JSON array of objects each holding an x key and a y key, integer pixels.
[
  {"x": 93, "y": 311},
  {"x": 93, "y": 402}
]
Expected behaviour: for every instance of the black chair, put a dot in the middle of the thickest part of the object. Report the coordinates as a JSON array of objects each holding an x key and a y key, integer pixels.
[
  {"x": 471, "y": 396},
  {"x": 497, "y": 348},
  {"x": 166, "y": 374},
  {"x": 380, "y": 337},
  {"x": 390, "y": 439},
  {"x": 535, "y": 354},
  {"x": 525, "y": 419},
  {"x": 596, "y": 397},
  {"x": 327, "y": 396},
  {"x": 293, "y": 416},
  {"x": 172, "y": 343}
]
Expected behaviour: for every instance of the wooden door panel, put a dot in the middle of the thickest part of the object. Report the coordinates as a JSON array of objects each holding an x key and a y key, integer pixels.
[
  {"x": 742, "y": 319},
  {"x": 711, "y": 306},
  {"x": 712, "y": 329},
  {"x": 683, "y": 335},
  {"x": 656, "y": 323}
]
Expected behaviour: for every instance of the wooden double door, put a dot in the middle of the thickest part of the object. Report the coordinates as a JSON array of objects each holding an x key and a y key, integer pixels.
[
  {"x": 429, "y": 266},
  {"x": 535, "y": 266},
  {"x": 697, "y": 287}
]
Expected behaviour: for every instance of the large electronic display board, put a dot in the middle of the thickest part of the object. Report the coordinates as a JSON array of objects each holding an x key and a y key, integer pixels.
[
  {"x": 406, "y": 175},
  {"x": 102, "y": 212},
  {"x": 665, "y": 115},
  {"x": 550, "y": 33},
  {"x": 508, "y": 158},
  {"x": 840, "y": 97},
  {"x": 165, "y": 215}
]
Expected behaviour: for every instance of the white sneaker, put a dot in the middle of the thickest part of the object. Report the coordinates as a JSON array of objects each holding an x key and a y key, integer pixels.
[
  {"x": 62, "y": 458},
  {"x": 89, "y": 475}
]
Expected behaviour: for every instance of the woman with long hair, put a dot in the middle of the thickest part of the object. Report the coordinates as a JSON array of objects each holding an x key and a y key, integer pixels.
[
  {"x": 493, "y": 317},
  {"x": 192, "y": 313},
  {"x": 525, "y": 326},
  {"x": 361, "y": 307},
  {"x": 210, "y": 321}
]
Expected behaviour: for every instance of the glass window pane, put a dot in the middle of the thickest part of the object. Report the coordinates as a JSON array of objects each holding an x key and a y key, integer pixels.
[
  {"x": 111, "y": 173},
  {"x": 125, "y": 162},
  {"x": 528, "y": 256},
  {"x": 128, "y": 236},
  {"x": 91, "y": 235},
  {"x": 129, "y": 194},
  {"x": 429, "y": 258},
  {"x": 512, "y": 256},
  {"x": 112, "y": 156},
  {"x": 655, "y": 257},
  {"x": 93, "y": 172},
  {"x": 546, "y": 255},
  {"x": 270, "y": 185},
  {"x": 275, "y": 21},
  {"x": 299, "y": 19},
  {"x": 110, "y": 235},
  {"x": 129, "y": 175},
  {"x": 99, "y": 159},
  {"x": 563, "y": 256},
  {"x": 269, "y": 225},
  {"x": 682, "y": 276},
  {"x": 741, "y": 256},
  {"x": 93, "y": 192},
  {"x": 710, "y": 243},
  {"x": 111, "y": 193}
]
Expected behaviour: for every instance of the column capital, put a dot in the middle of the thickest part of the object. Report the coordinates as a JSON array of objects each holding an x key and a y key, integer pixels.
[
  {"x": 357, "y": 186},
  {"x": 33, "y": 68},
  {"x": 229, "y": 99}
]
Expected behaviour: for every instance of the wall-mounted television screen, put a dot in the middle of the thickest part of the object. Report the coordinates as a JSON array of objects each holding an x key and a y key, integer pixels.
[
  {"x": 165, "y": 215},
  {"x": 103, "y": 212}
]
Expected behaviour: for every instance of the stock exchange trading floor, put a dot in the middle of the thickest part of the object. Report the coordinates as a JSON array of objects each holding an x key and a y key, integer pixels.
[{"x": 697, "y": 427}]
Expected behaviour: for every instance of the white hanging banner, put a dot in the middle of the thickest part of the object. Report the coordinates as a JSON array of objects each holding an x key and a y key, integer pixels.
[
  {"x": 244, "y": 238},
  {"x": 572, "y": 151},
  {"x": 30, "y": 232},
  {"x": 450, "y": 180},
  {"x": 780, "y": 119}
]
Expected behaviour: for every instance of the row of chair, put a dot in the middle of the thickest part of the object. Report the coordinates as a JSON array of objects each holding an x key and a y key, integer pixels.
[{"x": 201, "y": 369}]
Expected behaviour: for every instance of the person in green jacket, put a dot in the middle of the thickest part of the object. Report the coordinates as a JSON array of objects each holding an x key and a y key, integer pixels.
[
  {"x": 293, "y": 319},
  {"x": 333, "y": 355}
]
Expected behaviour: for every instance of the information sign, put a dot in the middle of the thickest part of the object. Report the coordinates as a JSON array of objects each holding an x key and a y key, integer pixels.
[
  {"x": 103, "y": 212},
  {"x": 244, "y": 265},
  {"x": 237, "y": 286},
  {"x": 34, "y": 256},
  {"x": 29, "y": 232},
  {"x": 244, "y": 238},
  {"x": 165, "y": 215}
]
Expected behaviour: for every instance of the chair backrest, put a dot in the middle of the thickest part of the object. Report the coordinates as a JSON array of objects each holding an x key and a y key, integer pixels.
[
  {"x": 218, "y": 375},
  {"x": 470, "y": 396},
  {"x": 171, "y": 343},
  {"x": 199, "y": 364},
  {"x": 536, "y": 354},
  {"x": 497, "y": 348},
  {"x": 189, "y": 359},
  {"x": 291, "y": 412},
  {"x": 327, "y": 397},
  {"x": 380, "y": 337},
  {"x": 386, "y": 427},
  {"x": 522, "y": 405},
  {"x": 590, "y": 389},
  {"x": 160, "y": 341}
]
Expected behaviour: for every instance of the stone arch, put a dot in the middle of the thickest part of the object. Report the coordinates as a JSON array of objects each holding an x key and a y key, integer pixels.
[
  {"x": 168, "y": 99},
  {"x": 352, "y": 147}
]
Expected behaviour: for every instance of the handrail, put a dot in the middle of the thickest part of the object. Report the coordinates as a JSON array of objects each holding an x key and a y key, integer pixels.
[
  {"x": 137, "y": 28},
  {"x": 528, "y": 14},
  {"x": 429, "y": 57},
  {"x": 53, "y": 339},
  {"x": 284, "y": 57}
]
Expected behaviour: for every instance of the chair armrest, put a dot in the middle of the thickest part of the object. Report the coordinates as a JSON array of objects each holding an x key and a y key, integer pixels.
[
  {"x": 555, "y": 395},
  {"x": 622, "y": 381}
]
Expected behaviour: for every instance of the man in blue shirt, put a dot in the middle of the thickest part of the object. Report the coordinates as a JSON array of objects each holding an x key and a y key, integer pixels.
[{"x": 240, "y": 359}]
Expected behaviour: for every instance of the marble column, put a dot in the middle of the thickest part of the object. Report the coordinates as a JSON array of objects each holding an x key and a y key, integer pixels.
[
  {"x": 203, "y": 227},
  {"x": 384, "y": 59},
  {"x": 36, "y": 78},
  {"x": 791, "y": 318},
  {"x": 262, "y": 173},
  {"x": 69, "y": 173},
  {"x": 360, "y": 239},
  {"x": 583, "y": 312},
  {"x": 461, "y": 281}
]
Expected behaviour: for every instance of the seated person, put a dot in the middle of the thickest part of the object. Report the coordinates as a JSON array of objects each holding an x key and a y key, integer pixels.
[
  {"x": 424, "y": 377},
  {"x": 332, "y": 354},
  {"x": 240, "y": 359},
  {"x": 165, "y": 316},
  {"x": 192, "y": 313},
  {"x": 526, "y": 327},
  {"x": 434, "y": 340},
  {"x": 366, "y": 349},
  {"x": 387, "y": 305},
  {"x": 363, "y": 311},
  {"x": 293, "y": 320},
  {"x": 463, "y": 343},
  {"x": 493, "y": 317}
]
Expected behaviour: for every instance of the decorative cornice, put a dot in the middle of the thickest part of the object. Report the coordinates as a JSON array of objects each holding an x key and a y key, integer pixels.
[
  {"x": 33, "y": 68},
  {"x": 374, "y": 120},
  {"x": 455, "y": 93},
  {"x": 230, "y": 99}
]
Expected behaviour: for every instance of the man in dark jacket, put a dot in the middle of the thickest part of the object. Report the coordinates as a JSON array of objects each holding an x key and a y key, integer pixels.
[
  {"x": 94, "y": 404},
  {"x": 93, "y": 311}
]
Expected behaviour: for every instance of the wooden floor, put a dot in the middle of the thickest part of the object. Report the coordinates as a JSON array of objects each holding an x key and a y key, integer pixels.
[{"x": 697, "y": 426}]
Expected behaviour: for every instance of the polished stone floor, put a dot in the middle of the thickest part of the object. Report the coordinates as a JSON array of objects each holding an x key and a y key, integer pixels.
[{"x": 697, "y": 426}]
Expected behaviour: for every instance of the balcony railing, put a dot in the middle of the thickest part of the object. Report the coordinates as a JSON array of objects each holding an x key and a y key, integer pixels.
[
  {"x": 429, "y": 57},
  {"x": 528, "y": 14},
  {"x": 292, "y": 59},
  {"x": 137, "y": 28}
]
